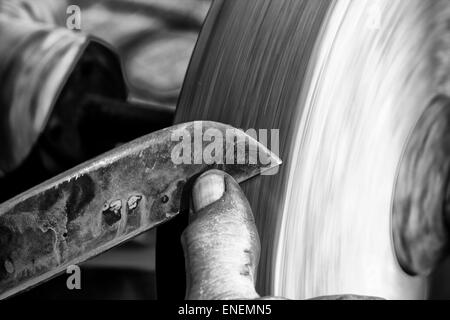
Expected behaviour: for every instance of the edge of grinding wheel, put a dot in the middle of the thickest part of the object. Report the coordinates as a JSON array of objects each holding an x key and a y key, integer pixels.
[
  {"x": 420, "y": 208},
  {"x": 215, "y": 91}
]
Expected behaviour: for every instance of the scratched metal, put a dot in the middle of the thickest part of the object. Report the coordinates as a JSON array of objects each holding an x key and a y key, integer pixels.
[{"x": 105, "y": 202}]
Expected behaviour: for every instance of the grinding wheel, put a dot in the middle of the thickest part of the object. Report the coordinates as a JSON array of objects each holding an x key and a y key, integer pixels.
[{"x": 345, "y": 82}]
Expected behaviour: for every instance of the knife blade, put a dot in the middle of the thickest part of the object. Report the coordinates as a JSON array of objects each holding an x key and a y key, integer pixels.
[{"x": 111, "y": 199}]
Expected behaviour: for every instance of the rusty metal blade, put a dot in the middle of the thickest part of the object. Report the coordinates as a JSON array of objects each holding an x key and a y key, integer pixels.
[{"x": 111, "y": 199}]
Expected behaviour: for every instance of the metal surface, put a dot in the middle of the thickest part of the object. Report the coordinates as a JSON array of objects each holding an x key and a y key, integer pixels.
[
  {"x": 105, "y": 202},
  {"x": 345, "y": 82}
]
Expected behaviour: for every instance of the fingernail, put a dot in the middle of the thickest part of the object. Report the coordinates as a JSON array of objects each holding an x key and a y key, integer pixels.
[{"x": 208, "y": 189}]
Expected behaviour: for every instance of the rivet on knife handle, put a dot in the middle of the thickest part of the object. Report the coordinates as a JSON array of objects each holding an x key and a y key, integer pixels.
[{"x": 109, "y": 200}]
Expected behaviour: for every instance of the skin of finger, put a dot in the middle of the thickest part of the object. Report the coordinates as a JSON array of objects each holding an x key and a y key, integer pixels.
[{"x": 221, "y": 246}]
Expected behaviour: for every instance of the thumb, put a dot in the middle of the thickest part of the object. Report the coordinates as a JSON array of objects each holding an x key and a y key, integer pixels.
[{"x": 221, "y": 243}]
